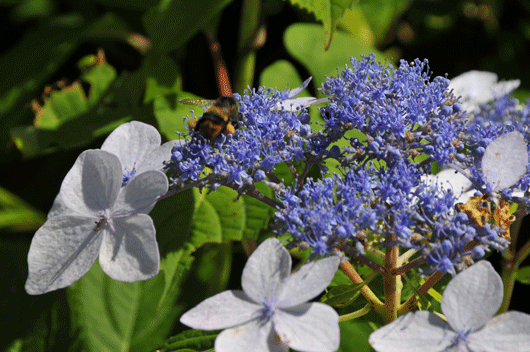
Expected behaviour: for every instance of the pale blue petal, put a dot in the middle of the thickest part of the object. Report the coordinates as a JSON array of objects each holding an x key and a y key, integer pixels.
[
  {"x": 131, "y": 143},
  {"x": 224, "y": 310},
  {"x": 420, "y": 331},
  {"x": 140, "y": 195},
  {"x": 265, "y": 269},
  {"x": 508, "y": 332},
  {"x": 308, "y": 327},
  {"x": 472, "y": 297},
  {"x": 505, "y": 160},
  {"x": 308, "y": 282},
  {"x": 252, "y": 337},
  {"x": 155, "y": 159},
  {"x": 90, "y": 186},
  {"x": 61, "y": 252},
  {"x": 129, "y": 251}
]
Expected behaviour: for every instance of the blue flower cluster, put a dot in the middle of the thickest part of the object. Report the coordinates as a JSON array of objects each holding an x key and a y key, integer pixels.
[
  {"x": 409, "y": 123},
  {"x": 406, "y": 123},
  {"x": 268, "y": 137}
]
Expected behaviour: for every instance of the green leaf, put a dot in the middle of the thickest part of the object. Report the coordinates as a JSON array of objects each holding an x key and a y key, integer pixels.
[
  {"x": 329, "y": 12},
  {"x": 170, "y": 115},
  {"x": 109, "y": 27},
  {"x": 69, "y": 102},
  {"x": 191, "y": 219},
  {"x": 23, "y": 71},
  {"x": 17, "y": 215},
  {"x": 27, "y": 67},
  {"x": 137, "y": 5},
  {"x": 173, "y": 22},
  {"x": 120, "y": 316},
  {"x": 258, "y": 214},
  {"x": 230, "y": 211},
  {"x": 354, "y": 335},
  {"x": 523, "y": 275},
  {"x": 382, "y": 14},
  {"x": 162, "y": 79},
  {"x": 281, "y": 74},
  {"x": 190, "y": 340},
  {"x": 72, "y": 125},
  {"x": 343, "y": 295},
  {"x": 301, "y": 41}
]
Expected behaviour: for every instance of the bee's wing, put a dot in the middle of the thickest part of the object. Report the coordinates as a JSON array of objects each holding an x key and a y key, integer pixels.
[{"x": 197, "y": 102}]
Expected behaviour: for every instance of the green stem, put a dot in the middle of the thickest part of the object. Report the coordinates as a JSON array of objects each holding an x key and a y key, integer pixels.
[
  {"x": 244, "y": 70},
  {"x": 510, "y": 264},
  {"x": 357, "y": 314}
]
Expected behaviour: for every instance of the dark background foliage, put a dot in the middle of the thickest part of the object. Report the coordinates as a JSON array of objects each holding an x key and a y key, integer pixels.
[{"x": 44, "y": 41}]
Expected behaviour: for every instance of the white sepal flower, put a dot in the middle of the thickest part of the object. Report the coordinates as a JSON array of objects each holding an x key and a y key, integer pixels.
[
  {"x": 137, "y": 145},
  {"x": 505, "y": 161},
  {"x": 450, "y": 180},
  {"x": 469, "y": 303},
  {"x": 290, "y": 103},
  {"x": 271, "y": 313},
  {"x": 97, "y": 217},
  {"x": 480, "y": 87}
]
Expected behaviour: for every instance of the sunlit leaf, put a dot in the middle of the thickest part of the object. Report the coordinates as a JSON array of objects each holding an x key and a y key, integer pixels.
[
  {"x": 328, "y": 12},
  {"x": 302, "y": 42},
  {"x": 382, "y": 14}
]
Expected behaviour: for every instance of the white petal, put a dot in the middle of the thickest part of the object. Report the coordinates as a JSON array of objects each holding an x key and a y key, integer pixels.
[
  {"x": 294, "y": 92},
  {"x": 254, "y": 336},
  {"x": 129, "y": 251},
  {"x": 308, "y": 282},
  {"x": 308, "y": 327},
  {"x": 265, "y": 269},
  {"x": 449, "y": 179},
  {"x": 90, "y": 186},
  {"x": 505, "y": 160},
  {"x": 508, "y": 332},
  {"x": 61, "y": 251},
  {"x": 420, "y": 331},
  {"x": 479, "y": 87},
  {"x": 224, "y": 310},
  {"x": 140, "y": 195},
  {"x": 472, "y": 297},
  {"x": 131, "y": 143},
  {"x": 155, "y": 159},
  {"x": 296, "y": 103}
]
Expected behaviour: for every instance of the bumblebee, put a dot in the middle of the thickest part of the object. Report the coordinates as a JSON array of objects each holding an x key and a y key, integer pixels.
[{"x": 222, "y": 116}]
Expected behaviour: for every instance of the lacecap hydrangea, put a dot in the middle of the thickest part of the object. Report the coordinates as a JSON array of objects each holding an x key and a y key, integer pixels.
[{"x": 385, "y": 127}]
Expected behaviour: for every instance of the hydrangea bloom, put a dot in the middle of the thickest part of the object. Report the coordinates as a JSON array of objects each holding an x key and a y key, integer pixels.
[
  {"x": 387, "y": 128},
  {"x": 271, "y": 313},
  {"x": 95, "y": 216},
  {"x": 469, "y": 303}
]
